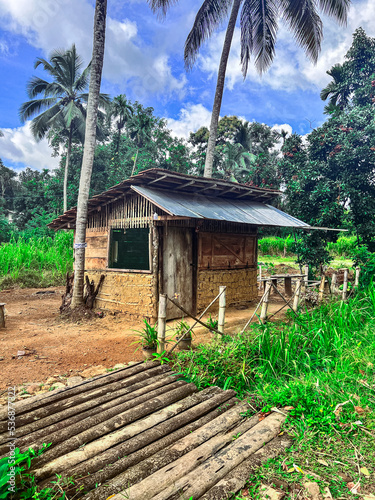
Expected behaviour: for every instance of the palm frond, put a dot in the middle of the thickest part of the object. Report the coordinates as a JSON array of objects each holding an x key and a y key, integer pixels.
[
  {"x": 38, "y": 86},
  {"x": 246, "y": 22},
  {"x": 43, "y": 122},
  {"x": 336, "y": 8},
  {"x": 305, "y": 24},
  {"x": 264, "y": 15},
  {"x": 209, "y": 17},
  {"x": 31, "y": 108},
  {"x": 161, "y": 7},
  {"x": 83, "y": 81}
]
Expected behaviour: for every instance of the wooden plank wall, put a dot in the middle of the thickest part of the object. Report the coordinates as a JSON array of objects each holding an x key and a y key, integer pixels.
[
  {"x": 97, "y": 249},
  {"x": 226, "y": 251}
]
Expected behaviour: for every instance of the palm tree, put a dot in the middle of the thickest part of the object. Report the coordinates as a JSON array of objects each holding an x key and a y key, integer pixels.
[
  {"x": 259, "y": 24},
  {"x": 338, "y": 90},
  {"x": 63, "y": 105},
  {"x": 140, "y": 131},
  {"x": 236, "y": 162},
  {"x": 122, "y": 112},
  {"x": 89, "y": 148}
]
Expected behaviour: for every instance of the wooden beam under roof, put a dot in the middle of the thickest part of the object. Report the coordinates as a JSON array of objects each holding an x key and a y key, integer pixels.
[
  {"x": 244, "y": 194},
  {"x": 158, "y": 179},
  {"x": 182, "y": 186}
]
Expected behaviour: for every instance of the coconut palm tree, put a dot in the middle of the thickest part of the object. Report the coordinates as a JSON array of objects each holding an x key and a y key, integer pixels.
[
  {"x": 140, "y": 131},
  {"x": 62, "y": 106},
  {"x": 122, "y": 112},
  {"x": 89, "y": 148},
  {"x": 338, "y": 90},
  {"x": 259, "y": 23}
]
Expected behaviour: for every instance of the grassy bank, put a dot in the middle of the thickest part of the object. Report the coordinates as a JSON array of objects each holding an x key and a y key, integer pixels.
[
  {"x": 274, "y": 245},
  {"x": 322, "y": 364},
  {"x": 36, "y": 262}
]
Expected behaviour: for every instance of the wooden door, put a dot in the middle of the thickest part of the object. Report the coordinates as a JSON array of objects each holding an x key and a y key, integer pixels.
[{"x": 178, "y": 269}]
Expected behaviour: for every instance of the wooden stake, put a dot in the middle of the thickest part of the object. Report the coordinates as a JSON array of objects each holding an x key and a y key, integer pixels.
[
  {"x": 321, "y": 288},
  {"x": 357, "y": 272},
  {"x": 2, "y": 315},
  {"x": 162, "y": 320},
  {"x": 334, "y": 283},
  {"x": 222, "y": 304},
  {"x": 297, "y": 295},
  {"x": 306, "y": 273},
  {"x": 263, "y": 313},
  {"x": 345, "y": 284},
  {"x": 260, "y": 277}
]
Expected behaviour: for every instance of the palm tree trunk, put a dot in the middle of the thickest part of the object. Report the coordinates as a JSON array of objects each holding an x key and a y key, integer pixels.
[
  {"x": 220, "y": 89},
  {"x": 135, "y": 162},
  {"x": 89, "y": 149},
  {"x": 69, "y": 150}
]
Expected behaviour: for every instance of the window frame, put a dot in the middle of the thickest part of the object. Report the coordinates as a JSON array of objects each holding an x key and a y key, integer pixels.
[{"x": 121, "y": 270}]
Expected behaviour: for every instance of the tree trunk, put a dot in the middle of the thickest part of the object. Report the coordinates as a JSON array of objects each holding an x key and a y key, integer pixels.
[
  {"x": 135, "y": 162},
  {"x": 220, "y": 89},
  {"x": 89, "y": 148},
  {"x": 69, "y": 150}
]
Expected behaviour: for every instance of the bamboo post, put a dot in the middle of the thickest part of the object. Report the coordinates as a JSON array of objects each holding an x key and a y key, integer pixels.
[
  {"x": 356, "y": 281},
  {"x": 345, "y": 285},
  {"x": 306, "y": 273},
  {"x": 297, "y": 295},
  {"x": 222, "y": 304},
  {"x": 321, "y": 288},
  {"x": 266, "y": 298},
  {"x": 162, "y": 320},
  {"x": 334, "y": 283},
  {"x": 2, "y": 315}
]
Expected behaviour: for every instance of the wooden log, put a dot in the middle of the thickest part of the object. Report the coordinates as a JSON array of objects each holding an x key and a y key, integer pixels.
[
  {"x": 345, "y": 285},
  {"x": 334, "y": 283},
  {"x": 196, "y": 448},
  {"x": 222, "y": 304},
  {"x": 162, "y": 321},
  {"x": 266, "y": 298},
  {"x": 146, "y": 459},
  {"x": 237, "y": 478},
  {"x": 288, "y": 286},
  {"x": 2, "y": 315},
  {"x": 101, "y": 382},
  {"x": 202, "y": 478},
  {"x": 274, "y": 282},
  {"x": 57, "y": 407},
  {"x": 297, "y": 295},
  {"x": 71, "y": 452},
  {"x": 58, "y": 431}
]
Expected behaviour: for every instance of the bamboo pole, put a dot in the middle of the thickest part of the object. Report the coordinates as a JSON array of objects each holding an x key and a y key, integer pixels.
[
  {"x": 297, "y": 295},
  {"x": 357, "y": 273},
  {"x": 306, "y": 273},
  {"x": 334, "y": 283},
  {"x": 162, "y": 320},
  {"x": 345, "y": 285},
  {"x": 321, "y": 288},
  {"x": 266, "y": 298},
  {"x": 222, "y": 304}
]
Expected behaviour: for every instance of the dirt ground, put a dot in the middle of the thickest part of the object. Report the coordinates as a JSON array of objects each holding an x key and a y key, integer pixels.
[{"x": 54, "y": 346}]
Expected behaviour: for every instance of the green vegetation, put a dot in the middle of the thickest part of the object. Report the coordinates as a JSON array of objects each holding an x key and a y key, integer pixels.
[
  {"x": 274, "y": 245},
  {"x": 322, "y": 364},
  {"x": 36, "y": 261}
]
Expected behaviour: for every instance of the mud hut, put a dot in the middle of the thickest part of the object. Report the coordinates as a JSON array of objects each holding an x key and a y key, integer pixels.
[{"x": 165, "y": 232}]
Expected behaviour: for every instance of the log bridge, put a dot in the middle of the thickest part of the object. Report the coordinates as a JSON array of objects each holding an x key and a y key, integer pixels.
[{"x": 142, "y": 433}]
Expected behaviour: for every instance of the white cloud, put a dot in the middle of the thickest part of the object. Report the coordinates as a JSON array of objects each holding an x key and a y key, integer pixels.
[
  {"x": 191, "y": 118},
  {"x": 291, "y": 70},
  {"x": 19, "y": 146},
  {"x": 48, "y": 24}
]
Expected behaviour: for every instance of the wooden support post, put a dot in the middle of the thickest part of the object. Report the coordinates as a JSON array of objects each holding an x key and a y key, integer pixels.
[
  {"x": 345, "y": 285},
  {"x": 274, "y": 282},
  {"x": 297, "y": 295},
  {"x": 321, "y": 288},
  {"x": 260, "y": 276},
  {"x": 222, "y": 304},
  {"x": 334, "y": 283},
  {"x": 356, "y": 281},
  {"x": 266, "y": 298},
  {"x": 2, "y": 315},
  {"x": 306, "y": 273},
  {"x": 288, "y": 286},
  {"x": 162, "y": 320}
]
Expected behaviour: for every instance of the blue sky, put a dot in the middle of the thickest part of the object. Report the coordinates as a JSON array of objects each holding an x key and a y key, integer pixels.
[{"x": 144, "y": 60}]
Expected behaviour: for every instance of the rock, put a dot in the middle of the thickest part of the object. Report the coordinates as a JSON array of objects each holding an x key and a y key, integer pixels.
[
  {"x": 93, "y": 371},
  {"x": 3, "y": 401},
  {"x": 132, "y": 363},
  {"x": 118, "y": 366},
  {"x": 270, "y": 494},
  {"x": 32, "y": 388},
  {"x": 327, "y": 493},
  {"x": 51, "y": 380},
  {"x": 46, "y": 387},
  {"x": 74, "y": 380},
  {"x": 58, "y": 385},
  {"x": 24, "y": 396},
  {"x": 313, "y": 490},
  {"x": 42, "y": 392}
]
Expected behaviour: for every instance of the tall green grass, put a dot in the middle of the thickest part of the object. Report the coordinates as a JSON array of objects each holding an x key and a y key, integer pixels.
[
  {"x": 275, "y": 245},
  {"x": 36, "y": 261}
]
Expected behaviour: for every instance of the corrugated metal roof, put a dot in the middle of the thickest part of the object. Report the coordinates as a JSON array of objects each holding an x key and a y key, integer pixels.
[{"x": 204, "y": 207}]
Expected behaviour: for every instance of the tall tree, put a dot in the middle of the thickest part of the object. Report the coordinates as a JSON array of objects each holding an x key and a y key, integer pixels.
[
  {"x": 259, "y": 24},
  {"x": 89, "y": 148},
  {"x": 121, "y": 111},
  {"x": 62, "y": 106},
  {"x": 141, "y": 129}
]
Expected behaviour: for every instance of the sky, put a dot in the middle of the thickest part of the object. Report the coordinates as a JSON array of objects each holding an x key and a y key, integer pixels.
[{"x": 144, "y": 61}]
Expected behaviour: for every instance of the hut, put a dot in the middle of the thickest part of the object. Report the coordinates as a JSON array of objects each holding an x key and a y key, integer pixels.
[{"x": 183, "y": 235}]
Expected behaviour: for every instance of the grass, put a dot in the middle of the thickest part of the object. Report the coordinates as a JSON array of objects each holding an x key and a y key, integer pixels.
[
  {"x": 36, "y": 262},
  {"x": 320, "y": 360},
  {"x": 276, "y": 246},
  {"x": 289, "y": 261}
]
